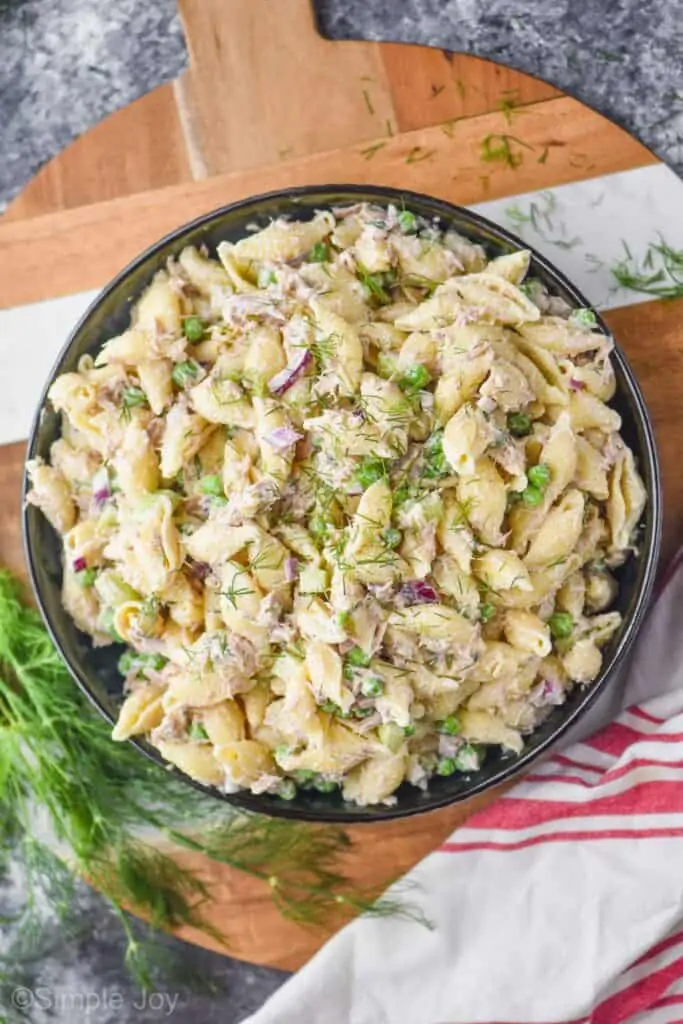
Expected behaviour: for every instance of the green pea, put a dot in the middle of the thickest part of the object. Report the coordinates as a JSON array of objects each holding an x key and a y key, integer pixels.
[
  {"x": 212, "y": 485},
  {"x": 409, "y": 730},
  {"x": 446, "y": 766},
  {"x": 487, "y": 611},
  {"x": 450, "y": 725},
  {"x": 357, "y": 657},
  {"x": 324, "y": 785},
  {"x": 370, "y": 471},
  {"x": 125, "y": 662},
  {"x": 287, "y": 789},
  {"x": 386, "y": 364},
  {"x": 531, "y": 496},
  {"x": 407, "y": 222},
  {"x": 392, "y": 538},
  {"x": 372, "y": 687},
  {"x": 133, "y": 659},
  {"x": 107, "y": 623},
  {"x": 584, "y": 318},
  {"x": 303, "y": 776},
  {"x": 343, "y": 619},
  {"x": 198, "y": 732},
  {"x": 183, "y": 373},
  {"x": 362, "y": 712},
  {"x": 436, "y": 464},
  {"x": 468, "y": 758},
  {"x": 86, "y": 577},
  {"x": 561, "y": 625},
  {"x": 193, "y": 328},
  {"x": 415, "y": 378},
  {"x": 539, "y": 476},
  {"x": 132, "y": 396},
  {"x": 519, "y": 424},
  {"x": 330, "y": 707},
  {"x": 320, "y": 253}
]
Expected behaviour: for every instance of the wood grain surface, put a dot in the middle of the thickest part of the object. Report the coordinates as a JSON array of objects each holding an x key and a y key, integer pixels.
[
  {"x": 255, "y": 69},
  {"x": 86, "y": 246},
  {"x": 267, "y": 103}
]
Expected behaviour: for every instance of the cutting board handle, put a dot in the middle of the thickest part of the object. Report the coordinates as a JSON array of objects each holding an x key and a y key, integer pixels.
[{"x": 263, "y": 85}]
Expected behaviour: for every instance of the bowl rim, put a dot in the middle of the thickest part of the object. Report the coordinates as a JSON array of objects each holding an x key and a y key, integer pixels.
[{"x": 345, "y": 813}]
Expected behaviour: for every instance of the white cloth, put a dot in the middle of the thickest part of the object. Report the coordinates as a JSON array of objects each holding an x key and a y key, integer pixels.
[{"x": 562, "y": 902}]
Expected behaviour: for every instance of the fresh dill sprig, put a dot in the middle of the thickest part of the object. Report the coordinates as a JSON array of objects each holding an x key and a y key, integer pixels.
[
  {"x": 658, "y": 273},
  {"x": 122, "y": 833}
]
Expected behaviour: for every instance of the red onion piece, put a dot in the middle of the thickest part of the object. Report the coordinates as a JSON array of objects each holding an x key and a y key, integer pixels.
[
  {"x": 79, "y": 564},
  {"x": 283, "y": 380},
  {"x": 101, "y": 495},
  {"x": 198, "y": 570},
  {"x": 283, "y": 438},
  {"x": 547, "y": 693},
  {"x": 577, "y": 385},
  {"x": 419, "y": 592},
  {"x": 552, "y": 692},
  {"x": 291, "y": 569},
  {"x": 449, "y": 745}
]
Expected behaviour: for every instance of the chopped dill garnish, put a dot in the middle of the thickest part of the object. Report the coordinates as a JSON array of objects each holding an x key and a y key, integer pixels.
[
  {"x": 234, "y": 591},
  {"x": 499, "y": 147},
  {"x": 658, "y": 273},
  {"x": 462, "y": 514},
  {"x": 435, "y": 91},
  {"x": 540, "y": 218},
  {"x": 594, "y": 262},
  {"x": 448, "y": 127},
  {"x": 368, "y": 102},
  {"x": 509, "y": 104},
  {"x": 370, "y": 151},
  {"x": 377, "y": 284},
  {"x": 418, "y": 153},
  {"x": 323, "y": 350}
]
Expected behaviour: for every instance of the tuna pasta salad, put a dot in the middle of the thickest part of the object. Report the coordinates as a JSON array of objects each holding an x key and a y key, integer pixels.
[{"x": 352, "y": 495}]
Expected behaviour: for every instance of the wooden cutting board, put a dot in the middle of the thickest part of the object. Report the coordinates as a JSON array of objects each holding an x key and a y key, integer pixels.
[{"x": 266, "y": 102}]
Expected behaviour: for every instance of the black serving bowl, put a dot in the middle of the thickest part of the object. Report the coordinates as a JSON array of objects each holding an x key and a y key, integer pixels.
[{"x": 94, "y": 669}]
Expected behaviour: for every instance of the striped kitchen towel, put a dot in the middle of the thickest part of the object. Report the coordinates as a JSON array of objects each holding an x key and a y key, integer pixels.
[{"x": 562, "y": 902}]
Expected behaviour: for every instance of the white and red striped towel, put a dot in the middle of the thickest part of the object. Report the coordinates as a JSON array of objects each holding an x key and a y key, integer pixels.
[{"x": 562, "y": 903}]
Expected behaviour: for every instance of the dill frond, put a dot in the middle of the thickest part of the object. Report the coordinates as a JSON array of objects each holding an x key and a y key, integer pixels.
[{"x": 658, "y": 273}]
